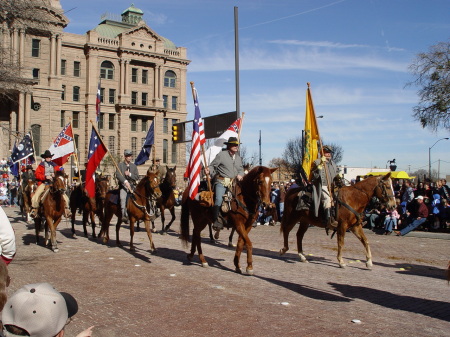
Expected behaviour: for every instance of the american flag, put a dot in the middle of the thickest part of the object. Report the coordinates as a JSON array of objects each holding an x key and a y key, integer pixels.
[
  {"x": 23, "y": 150},
  {"x": 97, "y": 151},
  {"x": 198, "y": 139},
  {"x": 97, "y": 101}
]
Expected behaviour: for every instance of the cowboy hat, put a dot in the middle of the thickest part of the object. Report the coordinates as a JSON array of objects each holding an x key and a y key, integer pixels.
[
  {"x": 327, "y": 148},
  {"x": 232, "y": 141},
  {"x": 46, "y": 154}
]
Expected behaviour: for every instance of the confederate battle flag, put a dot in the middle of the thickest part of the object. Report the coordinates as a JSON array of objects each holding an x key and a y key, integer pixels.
[{"x": 63, "y": 146}]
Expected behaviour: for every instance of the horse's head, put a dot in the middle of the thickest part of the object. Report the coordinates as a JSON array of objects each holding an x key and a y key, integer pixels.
[
  {"x": 101, "y": 187},
  {"x": 152, "y": 187},
  {"x": 259, "y": 181},
  {"x": 385, "y": 192},
  {"x": 171, "y": 177},
  {"x": 59, "y": 182}
]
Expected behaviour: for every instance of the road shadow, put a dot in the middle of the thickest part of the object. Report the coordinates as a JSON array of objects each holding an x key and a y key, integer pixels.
[
  {"x": 431, "y": 308},
  {"x": 415, "y": 270}
]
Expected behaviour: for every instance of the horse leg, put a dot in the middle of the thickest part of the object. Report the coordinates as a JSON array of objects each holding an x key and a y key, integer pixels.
[
  {"x": 119, "y": 222},
  {"x": 132, "y": 222},
  {"x": 92, "y": 213},
  {"x": 172, "y": 213},
  {"x": 230, "y": 238},
  {"x": 163, "y": 219},
  {"x": 85, "y": 220},
  {"x": 37, "y": 228},
  {"x": 359, "y": 233},
  {"x": 287, "y": 223},
  {"x": 340, "y": 239},
  {"x": 198, "y": 244},
  {"x": 244, "y": 240},
  {"x": 149, "y": 234},
  {"x": 104, "y": 232},
  {"x": 237, "y": 255},
  {"x": 212, "y": 238},
  {"x": 72, "y": 219},
  {"x": 53, "y": 226},
  {"x": 303, "y": 227}
]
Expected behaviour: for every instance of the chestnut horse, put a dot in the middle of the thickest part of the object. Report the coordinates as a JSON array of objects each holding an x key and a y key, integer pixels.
[
  {"x": 140, "y": 206},
  {"x": 90, "y": 207},
  {"x": 352, "y": 201},
  {"x": 51, "y": 209},
  {"x": 248, "y": 194},
  {"x": 167, "y": 199},
  {"x": 28, "y": 191}
]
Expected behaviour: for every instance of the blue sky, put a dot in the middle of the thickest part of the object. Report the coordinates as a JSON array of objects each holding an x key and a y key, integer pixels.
[{"x": 355, "y": 54}]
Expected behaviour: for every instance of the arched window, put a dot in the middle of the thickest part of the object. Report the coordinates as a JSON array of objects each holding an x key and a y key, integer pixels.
[
  {"x": 170, "y": 78},
  {"x": 36, "y": 132},
  {"x": 107, "y": 70}
]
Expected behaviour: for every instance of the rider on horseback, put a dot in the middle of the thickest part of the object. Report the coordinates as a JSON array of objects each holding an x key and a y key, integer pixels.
[
  {"x": 44, "y": 174},
  {"x": 324, "y": 171},
  {"x": 225, "y": 167},
  {"x": 128, "y": 175}
]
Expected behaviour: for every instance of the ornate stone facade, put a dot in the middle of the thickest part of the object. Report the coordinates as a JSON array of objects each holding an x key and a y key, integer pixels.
[{"x": 142, "y": 76}]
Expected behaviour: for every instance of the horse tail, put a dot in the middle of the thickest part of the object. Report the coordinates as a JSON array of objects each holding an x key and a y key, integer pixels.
[{"x": 184, "y": 224}]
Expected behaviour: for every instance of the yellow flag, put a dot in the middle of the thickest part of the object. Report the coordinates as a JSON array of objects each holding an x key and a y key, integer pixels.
[{"x": 310, "y": 151}]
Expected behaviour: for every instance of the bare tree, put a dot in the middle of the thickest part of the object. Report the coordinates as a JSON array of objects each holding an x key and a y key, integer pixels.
[
  {"x": 247, "y": 158},
  {"x": 432, "y": 76}
]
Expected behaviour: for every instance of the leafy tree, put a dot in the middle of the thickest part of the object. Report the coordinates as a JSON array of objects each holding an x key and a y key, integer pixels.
[{"x": 432, "y": 76}]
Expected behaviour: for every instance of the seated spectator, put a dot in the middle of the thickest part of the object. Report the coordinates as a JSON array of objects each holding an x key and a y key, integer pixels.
[
  {"x": 3, "y": 195},
  {"x": 390, "y": 221},
  {"x": 417, "y": 219},
  {"x": 372, "y": 213},
  {"x": 7, "y": 239},
  {"x": 39, "y": 310}
]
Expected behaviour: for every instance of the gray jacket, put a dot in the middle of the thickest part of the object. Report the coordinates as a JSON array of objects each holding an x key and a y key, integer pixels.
[
  {"x": 121, "y": 176},
  {"x": 330, "y": 169},
  {"x": 225, "y": 166}
]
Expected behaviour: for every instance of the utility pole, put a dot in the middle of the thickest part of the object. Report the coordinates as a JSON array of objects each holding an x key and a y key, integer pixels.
[{"x": 260, "y": 158}]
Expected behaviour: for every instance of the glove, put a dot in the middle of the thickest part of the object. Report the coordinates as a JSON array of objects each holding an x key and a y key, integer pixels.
[
  {"x": 339, "y": 175},
  {"x": 320, "y": 167},
  {"x": 323, "y": 159}
]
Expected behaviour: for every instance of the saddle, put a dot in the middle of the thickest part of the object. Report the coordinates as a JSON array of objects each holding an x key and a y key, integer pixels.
[{"x": 114, "y": 197}]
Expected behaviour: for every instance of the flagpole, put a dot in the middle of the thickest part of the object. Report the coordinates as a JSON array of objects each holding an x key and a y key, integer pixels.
[
  {"x": 34, "y": 150},
  {"x": 208, "y": 179},
  {"x": 321, "y": 145},
  {"x": 77, "y": 164},
  {"x": 240, "y": 129},
  {"x": 153, "y": 149}
]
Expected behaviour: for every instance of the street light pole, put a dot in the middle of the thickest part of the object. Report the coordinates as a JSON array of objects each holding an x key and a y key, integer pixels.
[{"x": 429, "y": 156}]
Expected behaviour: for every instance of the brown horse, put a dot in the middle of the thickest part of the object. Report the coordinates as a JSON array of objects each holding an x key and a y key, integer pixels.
[
  {"x": 140, "y": 206},
  {"x": 248, "y": 194},
  {"x": 28, "y": 191},
  {"x": 51, "y": 209},
  {"x": 352, "y": 201},
  {"x": 90, "y": 207},
  {"x": 167, "y": 199}
]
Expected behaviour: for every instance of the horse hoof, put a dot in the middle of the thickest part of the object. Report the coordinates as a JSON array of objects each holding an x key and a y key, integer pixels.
[
  {"x": 283, "y": 251},
  {"x": 131, "y": 248},
  {"x": 342, "y": 265},
  {"x": 238, "y": 270},
  {"x": 302, "y": 258},
  {"x": 189, "y": 257},
  {"x": 250, "y": 272},
  {"x": 369, "y": 265},
  {"x": 94, "y": 236},
  {"x": 230, "y": 244},
  {"x": 163, "y": 232},
  {"x": 205, "y": 264},
  {"x": 154, "y": 252},
  {"x": 74, "y": 236},
  {"x": 55, "y": 250},
  {"x": 105, "y": 241}
]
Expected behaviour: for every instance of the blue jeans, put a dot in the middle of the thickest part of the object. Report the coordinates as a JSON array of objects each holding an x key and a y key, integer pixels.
[
  {"x": 390, "y": 223},
  {"x": 413, "y": 225},
  {"x": 219, "y": 191}
]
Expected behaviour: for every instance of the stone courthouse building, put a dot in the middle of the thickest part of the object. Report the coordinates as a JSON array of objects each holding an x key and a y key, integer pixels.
[{"x": 141, "y": 74}]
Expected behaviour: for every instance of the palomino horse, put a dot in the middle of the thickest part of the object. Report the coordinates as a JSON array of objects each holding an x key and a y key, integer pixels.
[
  {"x": 352, "y": 201},
  {"x": 28, "y": 191},
  {"x": 248, "y": 194},
  {"x": 51, "y": 209},
  {"x": 140, "y": 206},
  {"x": 89, "y": 206},
  {"x": 167, "y": 199}
]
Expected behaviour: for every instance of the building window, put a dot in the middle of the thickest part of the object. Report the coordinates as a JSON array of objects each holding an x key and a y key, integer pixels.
[
  {"x": 63, "y": 93},
  {"x": 102, "y": 95},
  {"x": 76, "y": 138},
  {"x": 165, "y": 125},
  {"x": 144, "y": 125},
  {"x": 134, "y": 75},
  {"x": 174, "y": 102},
  {"x": 134, "y": 97},
  {"x": 63, "y": 119},
  {"x": 35, "y": 48},
  {"x": 112, "y": 96},
  {"x": 111, "y": 121},
  {"x": 107, "y": 70},
  {"x": 144, "y": 98},
  {"x": 36, "y": 132},
  {"x": 111, "y": 144},
  {"x": 36, "y": 74},
  {"x": 144, "y": 76},
  {"x": 63, "y": 67},
  {"x": 165, "y": 149},
  {"x": 76, "y": 69},
  {"x": 165, "y": 99},
  {"x": 101, "y": 121},
  {"x": 134, "y": 146},
  {"x": 133, "y": 124},
  {"x": 174, "y": 153},
  {"x": 170, "y": 78},
  {"x": 75, "y": 120},
  {"x": 76, "y": 94}
]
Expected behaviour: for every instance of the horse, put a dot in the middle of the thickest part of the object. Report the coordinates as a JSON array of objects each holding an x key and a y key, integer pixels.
[
  {"x": 352, "y": 201},
  {"x": 167, "y": 199},
  {"x": 51, "y": 209},
  {"x": 248, "y": 194},
  {"x": 27, "y": 191},
  {"x": 90, "y": 207},
  {"x": 140, "y": 206}
]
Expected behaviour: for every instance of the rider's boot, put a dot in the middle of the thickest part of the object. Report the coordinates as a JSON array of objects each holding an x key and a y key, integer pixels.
[
  {"x": 33, "y": 212},
  {"x": 331, "y": 222},
  {"x": 217, "y": 225},
  {"x": 124, "y": 216}
]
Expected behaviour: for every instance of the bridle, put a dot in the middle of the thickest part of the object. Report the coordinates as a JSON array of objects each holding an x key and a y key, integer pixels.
[
  {"x": 384, "y": 192},
  {"x": 150, "y": 200}
]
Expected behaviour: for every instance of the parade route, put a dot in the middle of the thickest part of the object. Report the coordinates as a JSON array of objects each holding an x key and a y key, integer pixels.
[{"x": 127, "y": 293}]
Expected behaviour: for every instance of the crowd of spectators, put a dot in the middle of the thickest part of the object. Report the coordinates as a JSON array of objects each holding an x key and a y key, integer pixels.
[{"x": 425, "y": 206}]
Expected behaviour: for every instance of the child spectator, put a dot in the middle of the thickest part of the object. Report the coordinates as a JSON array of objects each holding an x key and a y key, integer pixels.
[{"x": 390, "y": 221}]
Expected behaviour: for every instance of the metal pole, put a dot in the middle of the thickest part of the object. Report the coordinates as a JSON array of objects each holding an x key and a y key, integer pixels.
[
  {"x": 260, "y": 158},
  {"x": 429, "y": 162},
  {"x": 236, "y": 60}
]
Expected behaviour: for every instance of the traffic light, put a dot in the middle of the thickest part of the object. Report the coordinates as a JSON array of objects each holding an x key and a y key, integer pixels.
[{"x": 178, "y": 132}]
